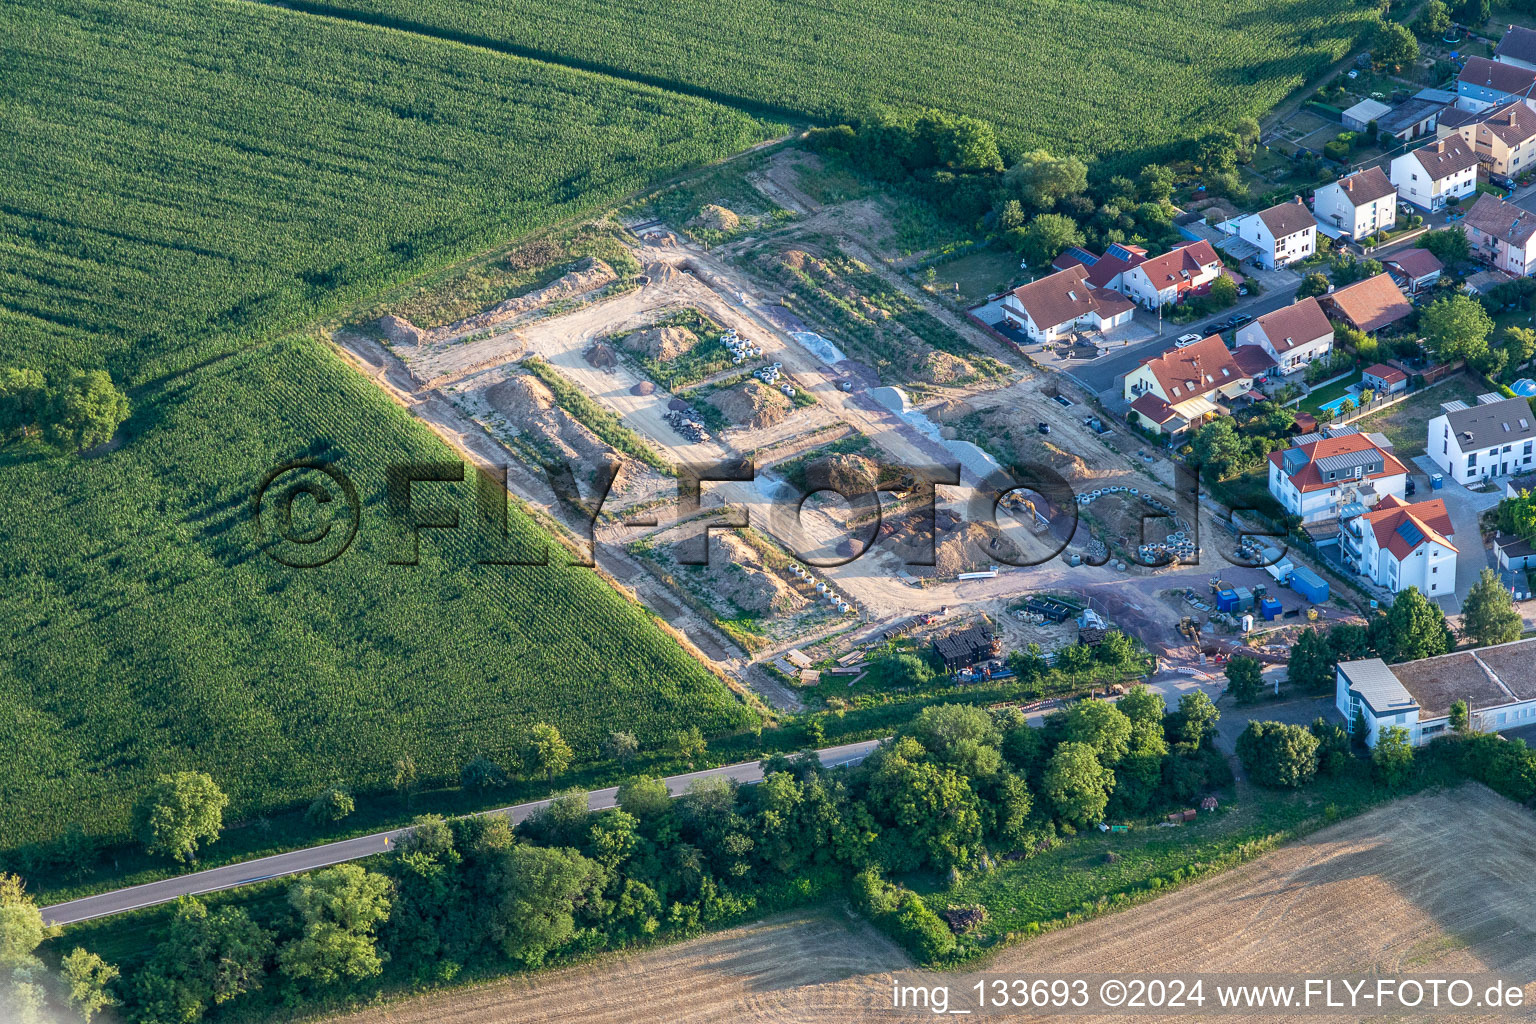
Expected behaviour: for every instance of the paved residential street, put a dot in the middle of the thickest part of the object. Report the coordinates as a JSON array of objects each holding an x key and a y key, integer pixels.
[
  {"x": 1100, "y": 374},
  {"x": 232, "y": 876}
]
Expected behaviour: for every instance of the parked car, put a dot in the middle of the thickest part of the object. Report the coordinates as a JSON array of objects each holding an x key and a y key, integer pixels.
[
  {"x": 1409, "y": 488},
  {"x": 1186, "y": 339},
  {"x": 1241, "y": 319},
  {"x": 1217, "y": 328},
  {"x": 1043, "y": 427}
]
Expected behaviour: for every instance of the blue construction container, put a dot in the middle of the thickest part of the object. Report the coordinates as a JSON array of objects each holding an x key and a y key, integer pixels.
[
  {"x": 1436, "y": 481},
  {"x": 1309, "y": 585},
  {"x": 1226, "y": 600},
  {"x": 1270, "y": 609}
]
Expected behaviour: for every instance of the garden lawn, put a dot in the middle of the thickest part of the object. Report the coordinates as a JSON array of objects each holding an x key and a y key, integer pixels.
[{"x": 1406, "y": 424}]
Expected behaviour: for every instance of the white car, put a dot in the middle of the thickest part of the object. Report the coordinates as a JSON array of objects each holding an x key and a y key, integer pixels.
[{"x": 1186, "y": 339}]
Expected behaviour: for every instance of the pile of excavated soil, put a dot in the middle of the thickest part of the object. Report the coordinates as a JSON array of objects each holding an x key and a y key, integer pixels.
[
  {"x": 532, "y": 409},
  {"x": 957, "y": 546},
  {"x": 740, "y": 578},
  {"x": 586, "y": 274},
  {"x": 752, "y": 405},
  {"x": 950, "y": 410},
  {"x": 943, "y": 368},
  {"x": 661, "y": 343},
  {"x": 397, "y": 330},
  {"x": 715, "y": 218},
  {"x": 601, "y": 356},
  {"x": 850, "y": 474}
]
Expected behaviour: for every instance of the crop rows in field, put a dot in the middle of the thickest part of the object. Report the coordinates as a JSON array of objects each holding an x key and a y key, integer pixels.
[
  {"x": 1082, "y": 76},
  {"x": 179, "y": 181},
  {"x": 164, "y": 640}
]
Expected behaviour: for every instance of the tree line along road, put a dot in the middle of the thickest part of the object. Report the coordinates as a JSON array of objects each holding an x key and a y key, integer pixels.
[{"x": 232, "y": 876}]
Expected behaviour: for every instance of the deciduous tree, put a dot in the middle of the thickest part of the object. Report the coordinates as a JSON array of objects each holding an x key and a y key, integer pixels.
[
  {"x": 1488, "y": 612},
  {"x": 340, "y": 907},
  {"x": 179, "y": 813},
  {"x": 1278, "y": 754},
  {"x": 1077, "y": 784}
]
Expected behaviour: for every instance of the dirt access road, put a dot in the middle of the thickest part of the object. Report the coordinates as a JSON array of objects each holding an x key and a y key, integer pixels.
[{"x": 1429, "y": 886}]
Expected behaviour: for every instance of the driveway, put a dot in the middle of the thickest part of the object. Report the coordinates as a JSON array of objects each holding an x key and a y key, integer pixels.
[
  {"x": 1465, "y": 507},
  {"x": 1102, "y": 374}
]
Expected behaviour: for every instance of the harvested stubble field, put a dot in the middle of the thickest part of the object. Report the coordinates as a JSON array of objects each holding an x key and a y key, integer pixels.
[{"x": 1432, "y": 885}]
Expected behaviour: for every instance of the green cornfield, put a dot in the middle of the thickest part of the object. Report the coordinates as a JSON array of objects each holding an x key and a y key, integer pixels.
[
  {"x": 182, "y": 185},
  {"x": 1111, "y": 78}
]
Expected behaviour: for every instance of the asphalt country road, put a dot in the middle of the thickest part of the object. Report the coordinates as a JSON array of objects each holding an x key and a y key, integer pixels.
[{"x": 232, "y": 876}]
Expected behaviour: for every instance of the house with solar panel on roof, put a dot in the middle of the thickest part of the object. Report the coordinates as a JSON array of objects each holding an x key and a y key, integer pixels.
[
  {"x": 1494, "y": 438},
  {"x": 1322, "y": 476},
  {"x": 1398, "y": 545}
]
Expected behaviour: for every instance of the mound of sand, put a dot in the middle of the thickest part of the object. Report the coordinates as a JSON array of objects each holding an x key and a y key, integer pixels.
[
  {"x": 661, "y": 343},
  {"x": 943, "y": 368},
  {"x": 955, "y": 545},
  {"x": 715, "y": 218},
  {"x": 751, "y": 405},
  {"x": 645, "y": 387},
  {"x": 740, "y": 578},
  {"x": 532, "y": 409},
  {"x": 397, "y": 330}
]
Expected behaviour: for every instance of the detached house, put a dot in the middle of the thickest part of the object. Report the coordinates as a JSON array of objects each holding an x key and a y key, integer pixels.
[
  {"x": 1322, "y": 473},
  {"x": 1182, "y": 387},
  {"x": 1398, "y": 545},
  {"x": 1431, "y": 174},
  {"x": 1484, "y": 83},
  {"x": 1171, "y": 278},
  {"x": 1356, "y": 206},
  {"x": 1503, "y": 137},
  {"x": 1292, "y": 336},
  {"x": 1054, "y": 306},
  {"x": 1368, "y": 305},
  {"x": 1284, "y": 233},
  {"x": 1518, "y": 48},
  {"x": 1502, "y": 234},
  {"x": 1384, "y": 379},
  {"x": 1495, "y": 437}
]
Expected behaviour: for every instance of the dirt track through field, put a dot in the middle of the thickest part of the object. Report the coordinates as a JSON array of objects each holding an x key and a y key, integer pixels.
[{"x": 1432, "y": 885}]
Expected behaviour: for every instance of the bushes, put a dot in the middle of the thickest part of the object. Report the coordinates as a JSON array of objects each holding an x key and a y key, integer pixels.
[
  {"x": 903, "y": 916},
  {"x": 1277, "y": 754}
]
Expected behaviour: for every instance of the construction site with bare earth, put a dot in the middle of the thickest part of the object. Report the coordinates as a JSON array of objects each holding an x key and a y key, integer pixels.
[{"x": 768, "y": 330}]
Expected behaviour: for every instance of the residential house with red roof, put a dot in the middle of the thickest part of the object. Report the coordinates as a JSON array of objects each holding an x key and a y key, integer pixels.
[
  {"x": 1320, "y": 474},
  {"x": 1060, "y": 303},
  {"x": 1384, "y": 379},
  {"x": 1171, "y": 278},
  {"x": 1283, "y": 234},
  {"x": 1368, "y": 305},
  {"x": 1292, "y": 336},
  {"x": 1183, "y": 387},
  {"x": 1429, "y": 175},
  {"x": 1398, "y": 545},
  {"x": 1502, "y": 234}
]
